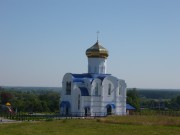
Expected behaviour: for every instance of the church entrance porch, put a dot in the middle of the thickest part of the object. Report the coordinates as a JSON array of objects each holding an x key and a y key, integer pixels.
[
  {"x": 65, "y": 107},
  {"x": 110, "y": 108}
]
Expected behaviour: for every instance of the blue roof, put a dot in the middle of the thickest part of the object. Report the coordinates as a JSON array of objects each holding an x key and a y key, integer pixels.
[
  {"x": 86, "y": 75},
  {"x": 84, "y": 91},
  {"x": 110, "y": 105},
  {"x": 80, "y": 77},
  {"x": 129, "y": 107},
  {"x": 78, "y": 80}
]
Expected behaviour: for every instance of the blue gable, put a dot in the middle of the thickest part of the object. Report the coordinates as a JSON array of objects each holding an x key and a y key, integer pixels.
[{"x": 84, "y": 91}]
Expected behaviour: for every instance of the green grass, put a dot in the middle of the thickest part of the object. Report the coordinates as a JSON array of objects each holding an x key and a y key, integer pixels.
[
  {"x": 143, "y": 120},
  {"x": 127, "y": 125}
]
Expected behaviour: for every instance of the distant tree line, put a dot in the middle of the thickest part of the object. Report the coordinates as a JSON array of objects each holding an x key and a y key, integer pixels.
[
  {"x": 30, "y": 101},
  {"x": 158, "y": 94},
  {"x": 151, "y": 99},
  {"x": 48, "y": 100}
]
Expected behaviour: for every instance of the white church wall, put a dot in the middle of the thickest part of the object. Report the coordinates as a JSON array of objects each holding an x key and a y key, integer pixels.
[
  {"x": 82, "y": 104},
  {"x": 122, "y": 99},
  {"x": 123, "y": 87},
  {"x": 74, "y": 99},
  {"x": 87, "y": 101},
  {"x": 96, "y": 97}
]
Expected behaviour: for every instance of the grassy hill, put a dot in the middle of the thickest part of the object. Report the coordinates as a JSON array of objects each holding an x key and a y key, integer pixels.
[{"x": 126, "y": 125}]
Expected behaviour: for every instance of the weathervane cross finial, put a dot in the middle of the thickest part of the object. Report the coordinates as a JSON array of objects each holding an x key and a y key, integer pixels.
[{"x": 97, "y": 35}]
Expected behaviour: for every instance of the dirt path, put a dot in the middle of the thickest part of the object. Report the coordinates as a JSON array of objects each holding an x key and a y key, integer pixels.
[{"x": 2, "y": 120}]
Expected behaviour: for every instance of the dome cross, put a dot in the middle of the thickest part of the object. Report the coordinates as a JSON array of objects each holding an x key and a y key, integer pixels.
[{"x": 97, "y": 35}]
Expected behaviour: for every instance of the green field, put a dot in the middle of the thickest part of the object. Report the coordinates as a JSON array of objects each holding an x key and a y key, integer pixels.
[{"x": 126, "y": 125}]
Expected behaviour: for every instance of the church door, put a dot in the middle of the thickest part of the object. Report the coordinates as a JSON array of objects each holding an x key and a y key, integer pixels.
[
  {"x": 109, "y": 110},
  {"x": 67, "y": 110},
  {"x": 86, "y": 111}
]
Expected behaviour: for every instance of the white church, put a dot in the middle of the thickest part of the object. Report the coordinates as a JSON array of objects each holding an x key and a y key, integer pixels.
[{"x": 95, "y": 93}]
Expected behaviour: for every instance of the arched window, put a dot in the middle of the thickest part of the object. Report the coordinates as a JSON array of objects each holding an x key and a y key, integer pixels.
[
  {"x": 109, "y": 89},
  {"x": 68, "y": 88},
  {"x": 96, "y": 89}
]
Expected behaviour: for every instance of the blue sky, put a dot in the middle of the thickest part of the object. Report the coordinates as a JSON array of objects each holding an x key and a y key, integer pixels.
[{"x": 41, "y": 40}]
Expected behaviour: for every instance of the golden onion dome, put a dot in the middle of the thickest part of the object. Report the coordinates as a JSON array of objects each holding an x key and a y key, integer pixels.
[{"x": 97, "y": 51}]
